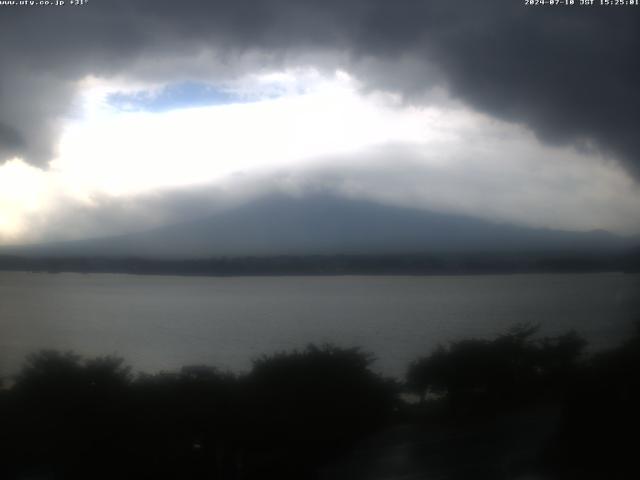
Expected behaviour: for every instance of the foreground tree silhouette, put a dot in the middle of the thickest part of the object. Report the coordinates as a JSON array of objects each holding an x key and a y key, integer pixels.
[
  {"x": 57, "y": 407},
  {"x": 298, "y": 411},
  {"x": 481, "y": 375},
  {"x": 70, "y": 418},
  {"x": 313, "y": 403},
  {"x": 187, "y": 424},
  {"x": 597, "y": 437}
]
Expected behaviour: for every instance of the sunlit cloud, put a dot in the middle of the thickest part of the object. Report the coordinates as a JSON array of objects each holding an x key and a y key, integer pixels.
[
  {"x": 24, "y": 190},
  {"x": 122, "y": 152},
  {"x": 130, "y": 146}
]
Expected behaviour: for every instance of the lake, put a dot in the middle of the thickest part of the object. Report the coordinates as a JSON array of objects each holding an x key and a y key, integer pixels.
[{"x": 164, "y": 322}]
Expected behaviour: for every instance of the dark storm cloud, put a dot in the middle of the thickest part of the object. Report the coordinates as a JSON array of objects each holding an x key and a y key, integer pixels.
[
  {"x": 10, "y": 138},
  {"x": 570, "y": 73}
]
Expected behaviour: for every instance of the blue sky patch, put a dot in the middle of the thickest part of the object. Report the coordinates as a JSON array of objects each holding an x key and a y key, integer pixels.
[{"x": 174, "y": 96}]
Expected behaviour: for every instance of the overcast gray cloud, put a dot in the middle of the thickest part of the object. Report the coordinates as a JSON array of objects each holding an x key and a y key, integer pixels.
[
  {"x": 569, "y": 73},
  {"x": 580, "y": 194}
]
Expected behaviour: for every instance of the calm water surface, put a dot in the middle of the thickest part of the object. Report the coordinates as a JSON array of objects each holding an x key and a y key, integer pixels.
[{"x": 157, "y": 322}]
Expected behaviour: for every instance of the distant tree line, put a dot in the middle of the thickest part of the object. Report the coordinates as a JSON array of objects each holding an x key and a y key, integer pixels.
[
  {"x": 405, "y": 264},
  {"x": 66, "y": 417}
]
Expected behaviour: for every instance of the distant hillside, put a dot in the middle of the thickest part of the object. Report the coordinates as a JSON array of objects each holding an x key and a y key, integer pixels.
[{"x": 324, "y": 225}]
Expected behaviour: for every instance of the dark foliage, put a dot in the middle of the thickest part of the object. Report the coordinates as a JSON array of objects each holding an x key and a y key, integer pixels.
[
  {"x": 297, "y": 413},
  {"x": 69, "y": 418},
  {"x": 598, "y": 434},
  {"x": 64, "y": 417},
  {"x": 476, "y": 375},
  {"x": 596, "y": 398},
  {"x": 314, "y": 403}
]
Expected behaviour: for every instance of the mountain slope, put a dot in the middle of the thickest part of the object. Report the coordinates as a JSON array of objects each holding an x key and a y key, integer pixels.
[{"x": 329, "y": 225}]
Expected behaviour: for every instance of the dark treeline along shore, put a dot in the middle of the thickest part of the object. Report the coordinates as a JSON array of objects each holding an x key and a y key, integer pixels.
[
  {"x": 358, "y": 264},
  {"x": 515, "y": 405}
]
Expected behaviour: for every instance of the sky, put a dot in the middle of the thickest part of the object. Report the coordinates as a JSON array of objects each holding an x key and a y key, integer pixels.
[{"x": 123, "y": 115}]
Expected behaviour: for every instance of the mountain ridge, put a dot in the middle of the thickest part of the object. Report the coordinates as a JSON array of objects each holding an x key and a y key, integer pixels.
[{"x": 328, "y": 225}]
